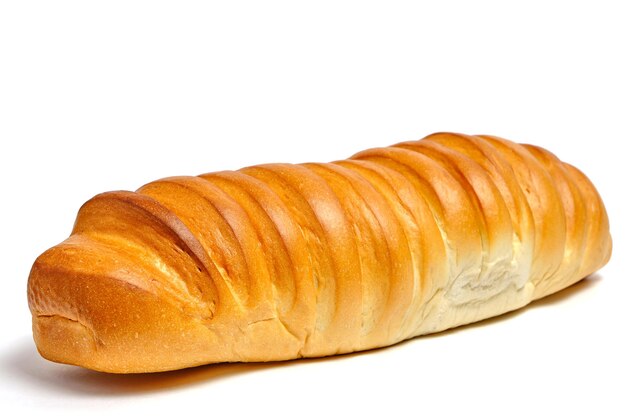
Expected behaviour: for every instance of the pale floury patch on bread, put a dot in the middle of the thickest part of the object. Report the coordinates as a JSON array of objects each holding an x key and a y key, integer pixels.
[{"x": 282, "y": 261}]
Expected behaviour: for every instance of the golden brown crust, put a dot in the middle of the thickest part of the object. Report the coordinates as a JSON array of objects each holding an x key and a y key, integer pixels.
[{"x": 281, "y": 261}]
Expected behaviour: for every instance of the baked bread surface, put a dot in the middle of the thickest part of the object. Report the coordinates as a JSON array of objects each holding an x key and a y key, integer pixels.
[{"x": 282, "y": 261}]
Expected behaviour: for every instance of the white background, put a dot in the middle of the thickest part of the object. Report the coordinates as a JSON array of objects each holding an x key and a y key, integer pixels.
[{"x": 96, "y": 96}]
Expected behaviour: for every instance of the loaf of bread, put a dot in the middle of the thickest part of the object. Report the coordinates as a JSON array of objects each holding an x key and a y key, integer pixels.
[{"x": 281, "y": 261}]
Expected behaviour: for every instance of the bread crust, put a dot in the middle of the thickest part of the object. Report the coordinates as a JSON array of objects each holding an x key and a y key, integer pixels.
[{"x": 282, "y": 261}]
